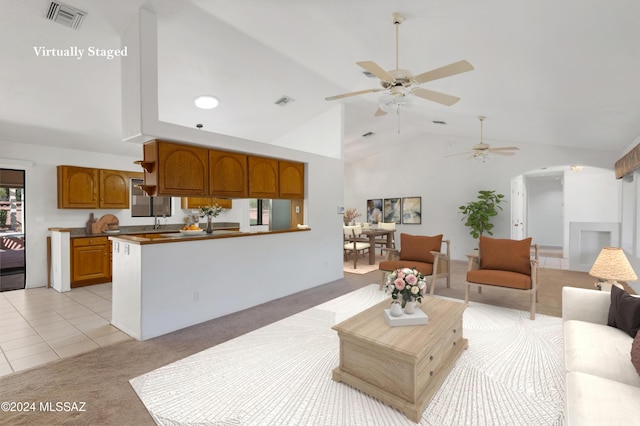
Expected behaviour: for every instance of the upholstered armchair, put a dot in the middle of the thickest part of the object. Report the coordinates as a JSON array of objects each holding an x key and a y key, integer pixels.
[
  {"x": 353, "y": 244},
  {"x": 419, "y": 252},
  {"x": 504, "y": 263}
]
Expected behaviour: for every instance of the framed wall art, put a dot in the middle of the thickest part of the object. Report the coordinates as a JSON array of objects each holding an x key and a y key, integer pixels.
[
  {"x": 412, "y": 210},
  {"x": 391, "y": 210},
  {"x": 374, "y": 210}
]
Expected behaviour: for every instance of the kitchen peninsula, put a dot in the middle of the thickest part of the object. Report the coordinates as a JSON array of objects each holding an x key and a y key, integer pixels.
[{"x": 165, "y": 282}]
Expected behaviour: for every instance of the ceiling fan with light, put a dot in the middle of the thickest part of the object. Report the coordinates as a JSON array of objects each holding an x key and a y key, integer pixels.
[
  {"x": 401, "y": 85},
  {"x": 483, "y": 151}
]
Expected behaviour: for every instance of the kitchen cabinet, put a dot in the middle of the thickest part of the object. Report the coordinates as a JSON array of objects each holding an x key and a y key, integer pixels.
[
  {"x": 90, "y": 188},
  {"x": 263, "y": 177},
  {"x": 291, "y": 179},
  {"x": 228, "y": 174},
  {"x": 114, "y": 189},
  {"x": 77, "y": 187},
  {"x": 175, "y": 169},
  {"x": 195, "y": 202},
  {"x": 90, "y": 261}
]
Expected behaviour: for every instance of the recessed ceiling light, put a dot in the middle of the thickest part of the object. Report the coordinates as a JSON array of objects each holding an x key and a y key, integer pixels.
[{"x": 206, "y": 102}]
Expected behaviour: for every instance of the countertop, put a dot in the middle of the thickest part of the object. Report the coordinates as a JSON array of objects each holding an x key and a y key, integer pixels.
[
  {"x": 176, "y": 237},
  {"x": 142, "y": 229}
]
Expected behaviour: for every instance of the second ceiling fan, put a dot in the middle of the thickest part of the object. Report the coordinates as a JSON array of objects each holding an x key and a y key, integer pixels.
[
  {"x": 482, "y": 151},
  {"x": 402, "y": 84}
]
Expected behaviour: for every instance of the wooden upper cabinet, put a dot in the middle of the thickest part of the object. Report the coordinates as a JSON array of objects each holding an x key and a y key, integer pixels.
[
  {"x": 114, "y": 189},
  {"x": 181, "y": 169},
  {"x": 197, "y": 202},
  {"x": 228, "y": 174},
  {"x": 77, "y": 187},
  {"x": 291, "y": 179},
  {"x": 263, "y": 177}
]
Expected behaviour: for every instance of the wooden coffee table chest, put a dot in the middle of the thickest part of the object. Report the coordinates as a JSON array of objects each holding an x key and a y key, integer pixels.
[{"x": 402, "y": 366}]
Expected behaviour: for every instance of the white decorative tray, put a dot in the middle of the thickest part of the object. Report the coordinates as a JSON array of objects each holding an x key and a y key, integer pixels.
[{"x": 416, "y": 318}]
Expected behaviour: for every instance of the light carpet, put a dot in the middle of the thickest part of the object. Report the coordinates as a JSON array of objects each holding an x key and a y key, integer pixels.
[
  {"x": 363, "y": 266},
  {"x": 280, "y": 374}
]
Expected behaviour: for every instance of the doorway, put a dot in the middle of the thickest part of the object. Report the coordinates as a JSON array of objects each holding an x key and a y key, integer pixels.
[{"x": 12, "y": 237}]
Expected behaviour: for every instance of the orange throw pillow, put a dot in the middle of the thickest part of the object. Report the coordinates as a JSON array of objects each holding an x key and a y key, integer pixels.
[
  {"x": 418, "y": 248},
  {"x": 505, "y": 254}
]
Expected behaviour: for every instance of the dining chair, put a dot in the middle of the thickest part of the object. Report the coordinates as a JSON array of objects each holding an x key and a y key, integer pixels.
[
  {"x": 382, "y": 241},
  {"x": 352, "y": 243}
]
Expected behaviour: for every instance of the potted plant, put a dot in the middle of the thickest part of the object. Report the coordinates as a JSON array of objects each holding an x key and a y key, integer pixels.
[{"x": 478, "y": 214}]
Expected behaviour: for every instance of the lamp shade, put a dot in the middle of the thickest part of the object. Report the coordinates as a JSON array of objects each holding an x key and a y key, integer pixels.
[{"x": 613, "y": 265}]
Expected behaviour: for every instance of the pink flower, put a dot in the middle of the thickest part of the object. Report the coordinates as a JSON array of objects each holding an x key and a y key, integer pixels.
[
  {"x": 399, "y": 283},
  {"x": 411, "y": 279},
  {"x": 400, "y": 274}
]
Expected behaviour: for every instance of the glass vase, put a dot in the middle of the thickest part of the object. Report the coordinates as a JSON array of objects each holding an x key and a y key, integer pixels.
[{"x": 209, "y": 224}]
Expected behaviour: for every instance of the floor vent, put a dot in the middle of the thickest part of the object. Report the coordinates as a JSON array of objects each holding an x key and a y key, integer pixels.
[
  {"x": 66, "y": 15},
  {"x": 284, "y": 100}
]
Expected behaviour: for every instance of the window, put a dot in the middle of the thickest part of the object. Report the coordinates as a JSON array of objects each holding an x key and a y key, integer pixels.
[
  {"x": 144, "y": 206},
  {"x": 259, "y": 211}
]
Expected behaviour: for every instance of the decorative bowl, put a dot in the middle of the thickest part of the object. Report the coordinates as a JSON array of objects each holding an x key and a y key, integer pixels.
[{"x": 191, "y": 231}]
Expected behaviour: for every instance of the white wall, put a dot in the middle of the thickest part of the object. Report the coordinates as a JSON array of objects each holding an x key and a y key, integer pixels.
[
  {"x": 545, "y": 211},
  {"x": 418, "y": 168},
  {"x": 630, "y": 238}
]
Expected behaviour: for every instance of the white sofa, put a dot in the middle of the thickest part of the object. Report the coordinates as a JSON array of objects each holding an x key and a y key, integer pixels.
[{"x": 602, "y": 386}]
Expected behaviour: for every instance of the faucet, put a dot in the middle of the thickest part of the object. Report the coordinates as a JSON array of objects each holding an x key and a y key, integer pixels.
[{"x": 156, "y": 223}]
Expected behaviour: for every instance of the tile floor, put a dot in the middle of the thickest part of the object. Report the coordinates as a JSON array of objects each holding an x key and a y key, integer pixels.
[{"x": 40, "y": 325}]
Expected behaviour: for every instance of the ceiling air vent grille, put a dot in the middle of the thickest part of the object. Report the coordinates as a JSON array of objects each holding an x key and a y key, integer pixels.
[
  {"x": 284, "y": 100},
  {"x": 65, "y": 15}
]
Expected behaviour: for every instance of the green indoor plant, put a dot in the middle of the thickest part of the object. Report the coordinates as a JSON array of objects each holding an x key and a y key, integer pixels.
[{"x": 478, "y": 214}]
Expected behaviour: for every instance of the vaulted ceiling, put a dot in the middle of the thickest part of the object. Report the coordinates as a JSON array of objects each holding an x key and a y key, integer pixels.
[{"x": 546, "y": 72}]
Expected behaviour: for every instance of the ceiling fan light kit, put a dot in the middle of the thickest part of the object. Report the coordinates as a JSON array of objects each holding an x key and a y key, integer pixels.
[{"x": 402, "y": 84}]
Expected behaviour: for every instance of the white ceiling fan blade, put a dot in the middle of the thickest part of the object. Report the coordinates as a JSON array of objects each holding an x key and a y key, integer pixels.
[
  {"x": 506, "y": 148},
  {"x": 380, "y": 112},
  {"x": 430, "y": 95},
  {"x": 446, "y": 71},
  {"x": 493, "y": 151},
  {"x": 346, "y": 95},
  {"x": 376, "y": 70}
]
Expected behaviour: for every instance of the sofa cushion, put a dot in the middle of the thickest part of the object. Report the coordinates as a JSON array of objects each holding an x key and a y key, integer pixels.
[
  {"x": 505, "y": 254},
  {"x": 599, "y": 350},
  {"x": 624, "y": 312},
  {"x": 635, "y": 353},
  {"x": 591, "y": 400},
  {"x": 392, "y": 265},
  {"x": 500, "y": 278},
  {"x": 419, "y": 247}
]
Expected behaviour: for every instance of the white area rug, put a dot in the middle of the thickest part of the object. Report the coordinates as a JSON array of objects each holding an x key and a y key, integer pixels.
[{"x": 512, "y": 374}]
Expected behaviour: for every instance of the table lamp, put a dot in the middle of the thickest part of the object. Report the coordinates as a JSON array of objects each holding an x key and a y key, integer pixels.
[{"x": 612, "y": 265}]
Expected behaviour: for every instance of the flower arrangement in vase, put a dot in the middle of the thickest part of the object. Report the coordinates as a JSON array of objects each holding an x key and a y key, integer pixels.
[
  {"x": 350, "y": 215},
  {"x": 406, "y": 285},
  {"x": 210, "y": 212}
]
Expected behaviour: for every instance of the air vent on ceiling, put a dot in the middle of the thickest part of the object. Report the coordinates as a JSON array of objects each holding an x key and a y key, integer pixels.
[
  {"x": 439, "y": 122},
  {"x": 284, "y": 100},
  {"x": 368, "y": 74},
  {"x": 368, "y": 134},
  {"x": 66, "y": 15}
]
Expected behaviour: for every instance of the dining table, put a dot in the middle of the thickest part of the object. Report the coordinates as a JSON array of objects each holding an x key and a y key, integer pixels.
[{"x": 372, "y": 234}]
